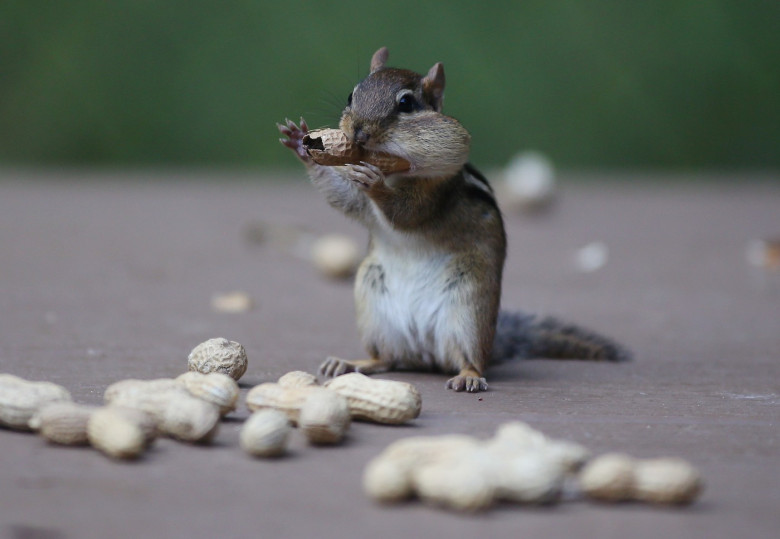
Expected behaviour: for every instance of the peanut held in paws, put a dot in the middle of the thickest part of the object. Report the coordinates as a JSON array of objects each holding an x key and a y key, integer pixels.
[{"x": 332, "y": 147}]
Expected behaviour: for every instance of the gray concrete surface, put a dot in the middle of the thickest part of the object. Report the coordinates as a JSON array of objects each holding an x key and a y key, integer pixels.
[{"x": 110, "y": 276}]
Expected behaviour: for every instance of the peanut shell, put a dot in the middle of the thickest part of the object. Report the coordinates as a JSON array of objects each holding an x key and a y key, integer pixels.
[
  {"x": 387, "y": 480},
  {"x": 324, "y": 417},
  {"x": 218, "y": 355},
  {"x": 332, "y": 147},
  {"x": 381, "y": 401},
  {"x": 63, "y": 422},
  {"x": 215, "y": 387},
  {"x": 20, "y": 399},
  {"x": 150, "y": 396},
  {"x": 515, "y": 436},
  {"x": 122, "y": 433},
  {"x": 531, "y": 476},
  {"x": 666, "y": 481},
  {"x": 609, "y": 477},
  {"x": 297, "y": 379},
  {"x": 177, "y": 412},
  {"x": 461, "y": 485},
  {"x": 335, "y": 256},
  {"x": 288, "y": 400},
  {"x": 190, "y": 419},
  {"x": 265, "y": 433}
]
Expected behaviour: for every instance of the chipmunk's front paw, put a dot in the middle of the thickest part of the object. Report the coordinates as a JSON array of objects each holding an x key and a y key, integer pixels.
[
  {"x": 335, "y": 366},
  {"x": 365, "y": 175},
  {"x": 470, "y": 384},
  {"x": 294, "y": 139}
]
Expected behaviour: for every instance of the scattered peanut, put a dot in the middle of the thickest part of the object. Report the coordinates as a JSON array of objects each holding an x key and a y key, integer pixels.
[
  {"x": 265, "y": 433},
  {"x": 297, "y": 379},
  {"x": 63, "y": 422},
  {"x": 218, "y": 355},
  {"x": 215, "y": 387},
  {"x": 666, "y": 481},
  {"x": 461, "y": 485},
  {"x": 615, "y": 477},
  {"x": 324, "y": 417},
  {"x": 20, "y": 399},
  {"x": 518, "y": 465},
  {"x": 529, "y": 183},
  {"x": 515, "y": 435},
  {"x": 382, "y": 401},
  {"x": 232, "y": 302},
  {"x": 335, "y": 256},
  {"x": 150, "y": 396},
  {"x": 288, "y": 400},
  {"x": 609, "y": 477},
  {"x": 531, "y": 476},
  {"x": 122, "y": 433},
  {"x": 190, "y": 419},
  {"x": 178, "y": 413}
]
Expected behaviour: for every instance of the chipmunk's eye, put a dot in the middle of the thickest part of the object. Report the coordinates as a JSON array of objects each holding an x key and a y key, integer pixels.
[
  {"x": 407, "y": 103},
  {"x": 349, "y": 99}
]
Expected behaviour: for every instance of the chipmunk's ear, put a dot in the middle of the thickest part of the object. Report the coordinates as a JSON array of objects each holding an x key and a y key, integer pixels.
[
  {"x": 433, "y": 86},
  {"x": 379, "y": 59}
]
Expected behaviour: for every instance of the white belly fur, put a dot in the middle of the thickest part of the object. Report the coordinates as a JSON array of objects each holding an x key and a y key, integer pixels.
[{"x": 413, "y": 321}]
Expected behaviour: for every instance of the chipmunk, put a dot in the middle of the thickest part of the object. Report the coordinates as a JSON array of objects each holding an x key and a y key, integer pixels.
[{"x": 427, "y": 294}]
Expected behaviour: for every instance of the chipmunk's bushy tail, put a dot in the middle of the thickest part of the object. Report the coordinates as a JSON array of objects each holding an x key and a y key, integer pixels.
[{"x": 528, "y": 336}]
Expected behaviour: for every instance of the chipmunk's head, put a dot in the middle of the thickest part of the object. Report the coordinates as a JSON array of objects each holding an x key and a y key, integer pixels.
[{"x": 399, "y": 112}]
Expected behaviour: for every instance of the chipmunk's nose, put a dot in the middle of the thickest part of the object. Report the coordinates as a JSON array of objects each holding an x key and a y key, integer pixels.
[{"x": 360, "y": 136}]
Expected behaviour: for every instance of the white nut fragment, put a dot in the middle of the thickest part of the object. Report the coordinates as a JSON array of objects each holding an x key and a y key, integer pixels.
[
  {"x": 215, "y": 387},
  {"x": 265, "y": 433},
  {"x": 218, "y": 355},
  {"x": 232, "y": 302},
  {"x": 324, "y": 417},
  {"x": 335, "y": 256},
  {"x": 20, "y": 399},
  {"x": 288, "y": 400},
  {"x": 63, "y": 422},
  {"x": 297, "y": 379},
  {"x": 615, "y": 477},
  {"x": 122, "y": 433},
  {"x": 381, "y": 401},
  {"x": 666, "y": 481}
]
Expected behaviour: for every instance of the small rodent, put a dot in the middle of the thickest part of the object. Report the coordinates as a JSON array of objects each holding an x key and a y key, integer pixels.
[{"x": 427, "y": 294}]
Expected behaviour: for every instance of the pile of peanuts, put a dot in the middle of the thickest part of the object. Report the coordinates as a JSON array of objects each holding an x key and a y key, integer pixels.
[
  {"x": 518, "y": 465},
  {"x": 188, "y": 408}
]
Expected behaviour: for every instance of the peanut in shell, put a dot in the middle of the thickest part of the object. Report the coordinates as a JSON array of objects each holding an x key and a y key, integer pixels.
[{"x": 332, "y": 147}]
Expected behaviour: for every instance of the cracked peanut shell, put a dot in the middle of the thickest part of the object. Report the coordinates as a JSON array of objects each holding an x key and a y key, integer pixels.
[{"x": 332, "y": 147}]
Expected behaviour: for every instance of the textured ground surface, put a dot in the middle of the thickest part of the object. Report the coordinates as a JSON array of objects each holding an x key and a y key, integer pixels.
[{"x": 108, "y": 277}]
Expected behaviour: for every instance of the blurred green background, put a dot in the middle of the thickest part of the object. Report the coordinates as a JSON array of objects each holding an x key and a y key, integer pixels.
[{"x": 669, "y": 84}]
